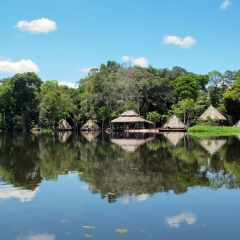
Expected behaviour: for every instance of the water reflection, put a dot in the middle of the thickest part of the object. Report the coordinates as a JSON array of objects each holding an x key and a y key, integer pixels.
[
  {"x": 130, "y": 142},
  {"x": 64, "y": 135},
  {"x": 175, "y": 221},
  {"x": 213, "y": 145},
  {"x": 90, "y": 135},
  {"x": 31, "y": 236},
  {"x": 158, "y": 165},
  {"x": 174, "y": 137},
  {"x": 8, "y": 191}
]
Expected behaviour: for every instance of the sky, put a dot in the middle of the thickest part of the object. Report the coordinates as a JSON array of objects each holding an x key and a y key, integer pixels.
[{"x": 62, "y": 40}]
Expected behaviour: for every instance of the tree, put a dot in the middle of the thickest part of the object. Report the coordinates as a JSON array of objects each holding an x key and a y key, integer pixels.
[
  {"x": 19, "y": 100},
  {"x": 187, "y": 105},
  {"x": 232, "y": 99},
  {"x": 154, "y": 117},
  {"x": 188, "y": 87},
  {"x": 104, "y": 113}
]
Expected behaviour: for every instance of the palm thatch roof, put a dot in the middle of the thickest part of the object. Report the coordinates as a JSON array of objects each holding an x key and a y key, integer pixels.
[
  {"x": 212, "y": 113},
  {"x": 64, "y": 125},
  {"x": 130, "y": 116},
  {"x": 174, "y": 137},
  {"x": 90, "y": 135},
  {"x": 174, "y": 123},
  {"x": 130, "y": 145},
  {"x": 212, "y": 146},
  {"x": 237, "y": 124},
  {"x": 129, "y": 113},
  {"x": 90, "y": 126}
]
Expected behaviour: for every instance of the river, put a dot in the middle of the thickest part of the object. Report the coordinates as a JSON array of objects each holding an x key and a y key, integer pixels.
[{"x": 119, "y": 186}]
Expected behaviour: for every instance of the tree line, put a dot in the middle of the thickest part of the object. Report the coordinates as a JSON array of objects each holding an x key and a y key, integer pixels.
[{"x": 107, "y": 91}]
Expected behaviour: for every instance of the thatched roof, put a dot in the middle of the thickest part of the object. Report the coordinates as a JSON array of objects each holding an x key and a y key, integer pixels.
[
  {"x": 90, "y": 135},
  {"x": 64, "y": 125},
  {"x": 129, "y": 113},
  {"x": 130, "y": 116},
  {"x": 130, "y": 145},
  {"x": 237, "y": 124},
  {"x": 212, "y": 146},
  {"x": 90, "y": 126},
  {"x": 174, "y": 137},
  {"x": 212, "y": 113},
  {"x": 174, "y": 122}
]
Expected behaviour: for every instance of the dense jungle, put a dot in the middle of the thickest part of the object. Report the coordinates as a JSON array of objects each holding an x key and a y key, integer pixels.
[{"x": 107, "y": 91}]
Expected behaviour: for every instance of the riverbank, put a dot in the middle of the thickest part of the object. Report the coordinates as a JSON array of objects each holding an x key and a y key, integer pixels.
[{"x": 209, "y": 131}]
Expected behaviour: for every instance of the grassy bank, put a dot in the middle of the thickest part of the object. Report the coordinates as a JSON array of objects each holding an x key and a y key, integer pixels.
[{"x": 212, "y": 131}]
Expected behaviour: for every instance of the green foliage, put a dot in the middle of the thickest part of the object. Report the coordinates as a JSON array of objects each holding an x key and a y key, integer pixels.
[
  {"x": 188, "y": 87},
  {"x": 112, "y": 88},
  {"x": 232, "y": 99},
  {"x": 154, "y": 117},
  {"x": 208, "y": 131}
]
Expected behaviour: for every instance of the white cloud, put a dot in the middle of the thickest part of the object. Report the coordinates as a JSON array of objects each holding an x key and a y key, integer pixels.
[
  {"x": 176, "y": 220},
  {"x": 18, "y": 67},
  {"x": 86, "y": 70},
  {"x": 23, "y": 195},
  {"x": 186, "y": 42},
  {"x": 65, "y": 83},
  {"x": 142, "y": 62},
  {"x": 42, "y": 25},
  {"x": 225, "y": 4}
]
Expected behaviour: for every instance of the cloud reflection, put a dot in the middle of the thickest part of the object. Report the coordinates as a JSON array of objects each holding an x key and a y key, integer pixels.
[
  {"x": 44, "y": 236},
  {"x": 7, "y": 192},
  {"x": 129, "y": 199},
  {"x": 175, "y": 221}
]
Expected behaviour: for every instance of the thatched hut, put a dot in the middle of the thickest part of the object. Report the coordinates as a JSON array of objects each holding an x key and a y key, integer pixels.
[
  {"x": 237, "y": 125},
  {"x": 63, "y": 125},
  {"x": 90, "y": 126},
  {"x": 174, "y": 124},
  {"x": 217, "y": 119},
  {"x": 130, "y": 120}
]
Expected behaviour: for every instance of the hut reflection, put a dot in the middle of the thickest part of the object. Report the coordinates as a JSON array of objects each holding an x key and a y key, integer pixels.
[
  {"x": 90, "y": 135},
  {"x": 213, "y": 146},
  {"x": 174, "y": 137},
  {"x": 64, "y": 135},
  {"x": 130, "y": 142}
]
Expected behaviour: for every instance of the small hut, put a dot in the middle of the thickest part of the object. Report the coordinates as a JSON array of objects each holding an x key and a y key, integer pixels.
[
  {"x": 63, "y": 125},
  {"x": 90, "y": 126},
  {"x": 174, "y": 124},
  {"x": 237, "y": 125},
  {"x": 217, "y": 119},
  {"x": 130, "y": 120}
]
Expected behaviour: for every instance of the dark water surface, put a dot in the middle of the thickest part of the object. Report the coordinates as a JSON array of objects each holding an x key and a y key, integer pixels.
[{"x": 99, "y": 186}]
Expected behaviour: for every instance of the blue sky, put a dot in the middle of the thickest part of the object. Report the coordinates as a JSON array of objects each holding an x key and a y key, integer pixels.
[{"x": 61, "y": 40}]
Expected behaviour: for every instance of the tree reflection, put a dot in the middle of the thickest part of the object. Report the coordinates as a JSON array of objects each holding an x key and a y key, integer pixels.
[{"x": 156, "y": 165}]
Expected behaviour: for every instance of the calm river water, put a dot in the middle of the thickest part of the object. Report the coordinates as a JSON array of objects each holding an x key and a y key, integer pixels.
[{"x": 116, "y": 186}]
